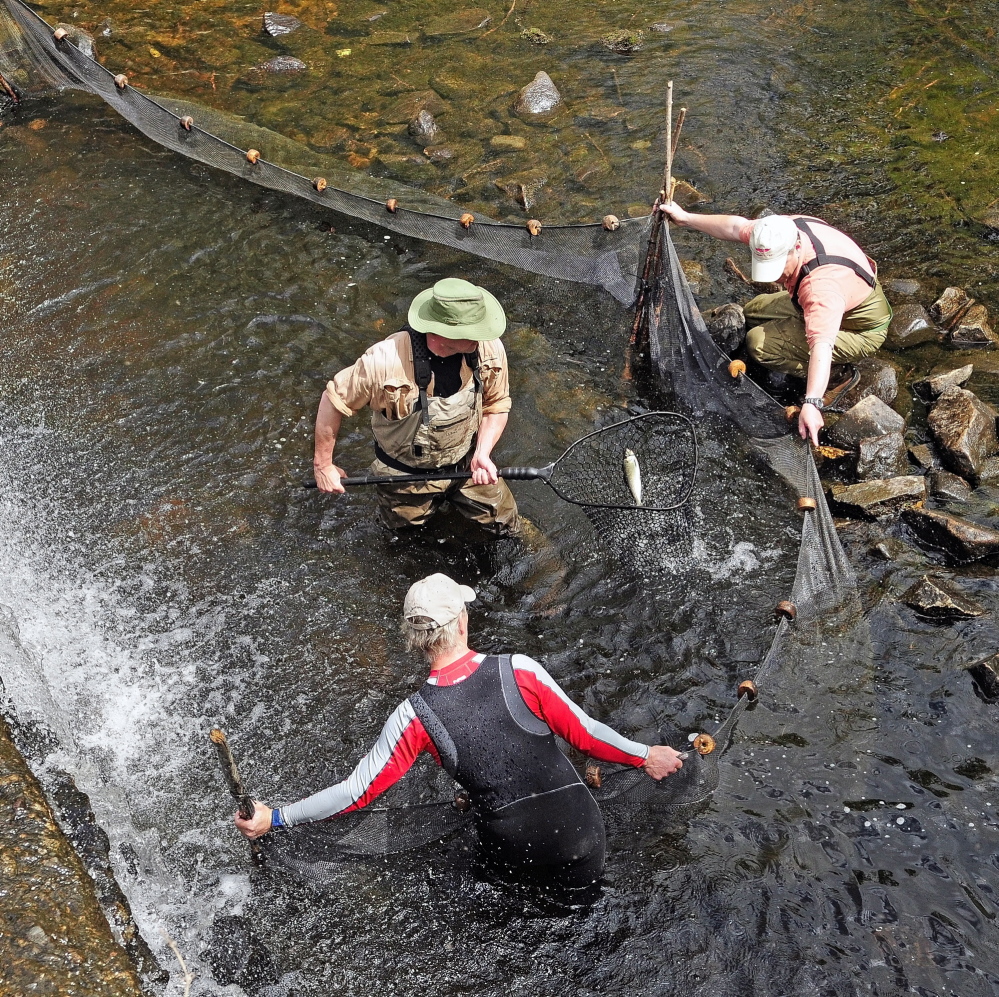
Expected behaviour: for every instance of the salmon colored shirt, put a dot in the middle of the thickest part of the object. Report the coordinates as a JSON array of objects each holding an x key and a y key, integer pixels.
[
  {"x": 830, "y": 291},
  {"x": 384, "y": 379}
]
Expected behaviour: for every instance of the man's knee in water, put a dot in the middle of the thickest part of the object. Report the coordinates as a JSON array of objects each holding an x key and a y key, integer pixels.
[{"x": 755, "y": 338}]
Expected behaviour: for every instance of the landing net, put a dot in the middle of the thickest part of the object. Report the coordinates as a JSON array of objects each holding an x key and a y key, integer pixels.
[{"x": 30, "y": 56}]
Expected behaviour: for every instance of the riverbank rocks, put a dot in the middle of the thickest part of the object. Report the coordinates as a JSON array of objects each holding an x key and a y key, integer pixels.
[
  {"x": 911, "y": 325},
  {"x": 925, "y": 455},
  {"x": 966, "y": 321},
  {"x": 277, "y": 25},
  {"x": 459, "y": 22},
  {"x": 986, "y": 676},
  {"x": 539, "y": 99},
  {"x": 880, "y": 497},
  {"x": 960, "y": 539},
  {"x": 877, "y": 377},
  {"x": 935, "y": 598},
  {"x": 868, "y": 419},
  {"x": 727, "y": 325},
  {"x": 949, "y": 487},
  {"x": 964, "y": 429},
  {"x": 424, "y": 128},
  {"x": 930, "y": 388},
  {"x": 881, "y": 457}
]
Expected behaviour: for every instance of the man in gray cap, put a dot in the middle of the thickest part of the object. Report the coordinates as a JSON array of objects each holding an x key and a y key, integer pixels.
[
  {"x": 490, "y": 721},
  {"x": 439, "y": 395}
]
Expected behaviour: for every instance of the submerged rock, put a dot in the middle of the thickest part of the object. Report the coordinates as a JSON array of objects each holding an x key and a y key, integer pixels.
[
  {"x": 459, "y": 22},
  {"x": 881, "y": 457},
  {"x": 869, "y": 418},
  {"x": 536, "y": 36},
  {"x": 911, "y": 325},
  {"x": 524, "y": 188},
  {"x": 389, "y": 38},
  {"x": 688, "y": 196},
  {"x": 727, "y": 325},
  {"x": 508, "y": 143},
  {"x": 424, "y": 128},
  {"x": 283, "y": 64},
  {"x": 409, "y": 105},
  {"x": 959, "y": 538},
  {"x": 964, "y": 429},
  {"x": 539, "y": 98},
  {"x": 880, "y": 497},
  {"x": 930, "y": 388},
  {"x": 276, "y": 25},
  {"x": 83, "y": 40},
  {"x": 934, "y": 598},
  {"x": 949, "y": 487},
  {"x": 236, "y": 955},
  {"x": 902, "y": 287},
  {"x": 990, "y": 216}
]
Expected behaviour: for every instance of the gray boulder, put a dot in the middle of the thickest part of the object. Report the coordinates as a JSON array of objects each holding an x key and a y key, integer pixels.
[
  {"x": 960, "y": 539},
  {"x": 870, "y": 417},
  {"x": 881, "y": 497},
  {"x": 877, "y": 377},
  {"x": 902, "y": 287},
  {"x": 949, "y": 487},
  {"x": 881, "y": 457},
  {"x": 930, "y": 388},
  {"x": 911, "y": 325},
  {"x": 727, "y": 325},
  {"x": 972, "y": 329},
  {"x": 964, "y": 429},
  {"x": 950, "y": 306},
  {"x": 424, "y": 128},
  {"x": 934, "y": 598},
  {"x": 538, "y": 99},
  {"x": 277, "y": 25}
]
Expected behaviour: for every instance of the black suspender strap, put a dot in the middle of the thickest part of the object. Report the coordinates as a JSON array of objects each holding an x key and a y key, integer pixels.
[
  {"x": 822, "y": 258},
  {"x": 421, "y": 369}
]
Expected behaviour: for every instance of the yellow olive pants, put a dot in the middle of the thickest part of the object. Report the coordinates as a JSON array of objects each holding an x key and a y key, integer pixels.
[
  {"x": 493, "y": 507},
  {"x": 776, "y": 337}
]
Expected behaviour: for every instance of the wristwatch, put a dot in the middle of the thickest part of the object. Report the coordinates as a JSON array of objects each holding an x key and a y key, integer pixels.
[{"x": 817, "y": 402}]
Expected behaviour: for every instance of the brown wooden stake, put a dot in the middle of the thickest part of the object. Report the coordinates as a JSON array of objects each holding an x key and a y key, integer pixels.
[{"x": 235, "y": 783}]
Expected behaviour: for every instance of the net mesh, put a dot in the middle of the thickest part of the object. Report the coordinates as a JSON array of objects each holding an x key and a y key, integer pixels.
[
  {"x": 587, "y": 254},
  {"x": 649, "y": 461},
  {"x": 687, "y": 370}
]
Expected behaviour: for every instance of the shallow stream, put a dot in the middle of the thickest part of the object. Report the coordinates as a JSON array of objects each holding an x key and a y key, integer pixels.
[{"x": 166, "y": 332}]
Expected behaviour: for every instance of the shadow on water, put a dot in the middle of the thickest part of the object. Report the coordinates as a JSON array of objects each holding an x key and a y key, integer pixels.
[{"x": 167, "y": 334}]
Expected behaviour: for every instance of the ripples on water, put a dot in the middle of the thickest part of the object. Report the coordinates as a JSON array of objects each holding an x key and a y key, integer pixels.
[{"x": 171, "y": 332}]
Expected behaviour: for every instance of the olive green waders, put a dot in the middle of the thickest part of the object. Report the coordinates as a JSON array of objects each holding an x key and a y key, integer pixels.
[{"x": 776, "y": 337}]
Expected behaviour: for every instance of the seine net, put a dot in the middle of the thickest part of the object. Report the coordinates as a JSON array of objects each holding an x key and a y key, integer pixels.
[
  {"x": 688, "y": 371},
  {"x": 587, "y": 254}
]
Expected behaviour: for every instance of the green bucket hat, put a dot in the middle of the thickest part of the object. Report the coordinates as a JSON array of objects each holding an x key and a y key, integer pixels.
[{"x": 457, "y": 309}]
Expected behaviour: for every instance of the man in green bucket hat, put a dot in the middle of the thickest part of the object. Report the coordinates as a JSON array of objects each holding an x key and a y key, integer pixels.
[{"x": 439, "y": 395}]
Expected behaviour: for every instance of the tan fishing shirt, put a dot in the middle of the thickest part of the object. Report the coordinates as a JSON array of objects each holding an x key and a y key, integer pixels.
[{"x": 384, "y": 379}]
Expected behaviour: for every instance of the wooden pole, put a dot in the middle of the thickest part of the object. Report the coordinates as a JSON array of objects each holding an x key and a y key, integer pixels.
[
  {"x": 236, "y": 787},
  {"x": 668, "y": 172}
]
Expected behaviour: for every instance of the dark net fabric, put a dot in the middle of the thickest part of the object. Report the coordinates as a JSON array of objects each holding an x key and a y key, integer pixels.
[
  {"x": 658, "y": 450},
  {"x": 587, "y": 254}
]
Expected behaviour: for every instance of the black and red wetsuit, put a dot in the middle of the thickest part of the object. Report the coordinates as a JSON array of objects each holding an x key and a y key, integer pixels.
[{"x": 490, "y": 722}]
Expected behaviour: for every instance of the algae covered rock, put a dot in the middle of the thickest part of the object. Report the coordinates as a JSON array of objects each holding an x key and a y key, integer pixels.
[
  {"x": 623, "y": 42},
  {"x": 536, "y": 36},
  {"x": 424, "y": 128}
]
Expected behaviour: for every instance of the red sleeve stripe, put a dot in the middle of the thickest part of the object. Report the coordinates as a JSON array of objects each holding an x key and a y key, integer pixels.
[
  {"x": 402, "y": 739},
  {"x": 547, "y": 701}
]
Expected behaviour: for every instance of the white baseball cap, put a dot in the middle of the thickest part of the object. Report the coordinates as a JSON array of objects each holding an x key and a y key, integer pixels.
[
  {"x": 770, "y": 241},
  {"x": 437, "y": 598}
]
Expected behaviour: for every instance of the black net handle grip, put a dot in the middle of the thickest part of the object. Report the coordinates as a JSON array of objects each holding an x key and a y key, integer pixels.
[{"x": 512, "y": 473}]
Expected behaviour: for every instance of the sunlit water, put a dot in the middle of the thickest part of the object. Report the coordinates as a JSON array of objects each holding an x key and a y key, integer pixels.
[{"x": 166, "y": 334}]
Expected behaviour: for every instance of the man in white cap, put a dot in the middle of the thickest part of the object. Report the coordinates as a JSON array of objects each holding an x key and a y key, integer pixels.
[
  {"x": 439, "y": 394},
  {"x": 832, "y": 308},
  {"x": 490, "y": 721}
]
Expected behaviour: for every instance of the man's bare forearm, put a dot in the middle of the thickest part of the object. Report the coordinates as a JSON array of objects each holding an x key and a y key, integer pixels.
[
  {"x": 328, "y": 421},
  {"x": 490, "y": 430}
]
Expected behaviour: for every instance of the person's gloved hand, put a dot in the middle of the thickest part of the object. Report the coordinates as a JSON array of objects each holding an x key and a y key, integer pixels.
[{"x": 662, "y": 761}]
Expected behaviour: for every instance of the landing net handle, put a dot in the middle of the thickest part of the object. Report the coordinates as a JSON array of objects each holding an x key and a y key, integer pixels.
[{"x": 234, "y": 781}]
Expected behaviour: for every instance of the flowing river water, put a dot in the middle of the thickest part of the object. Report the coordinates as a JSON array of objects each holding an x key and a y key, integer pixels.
[{"x": 166, "y": 334}]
